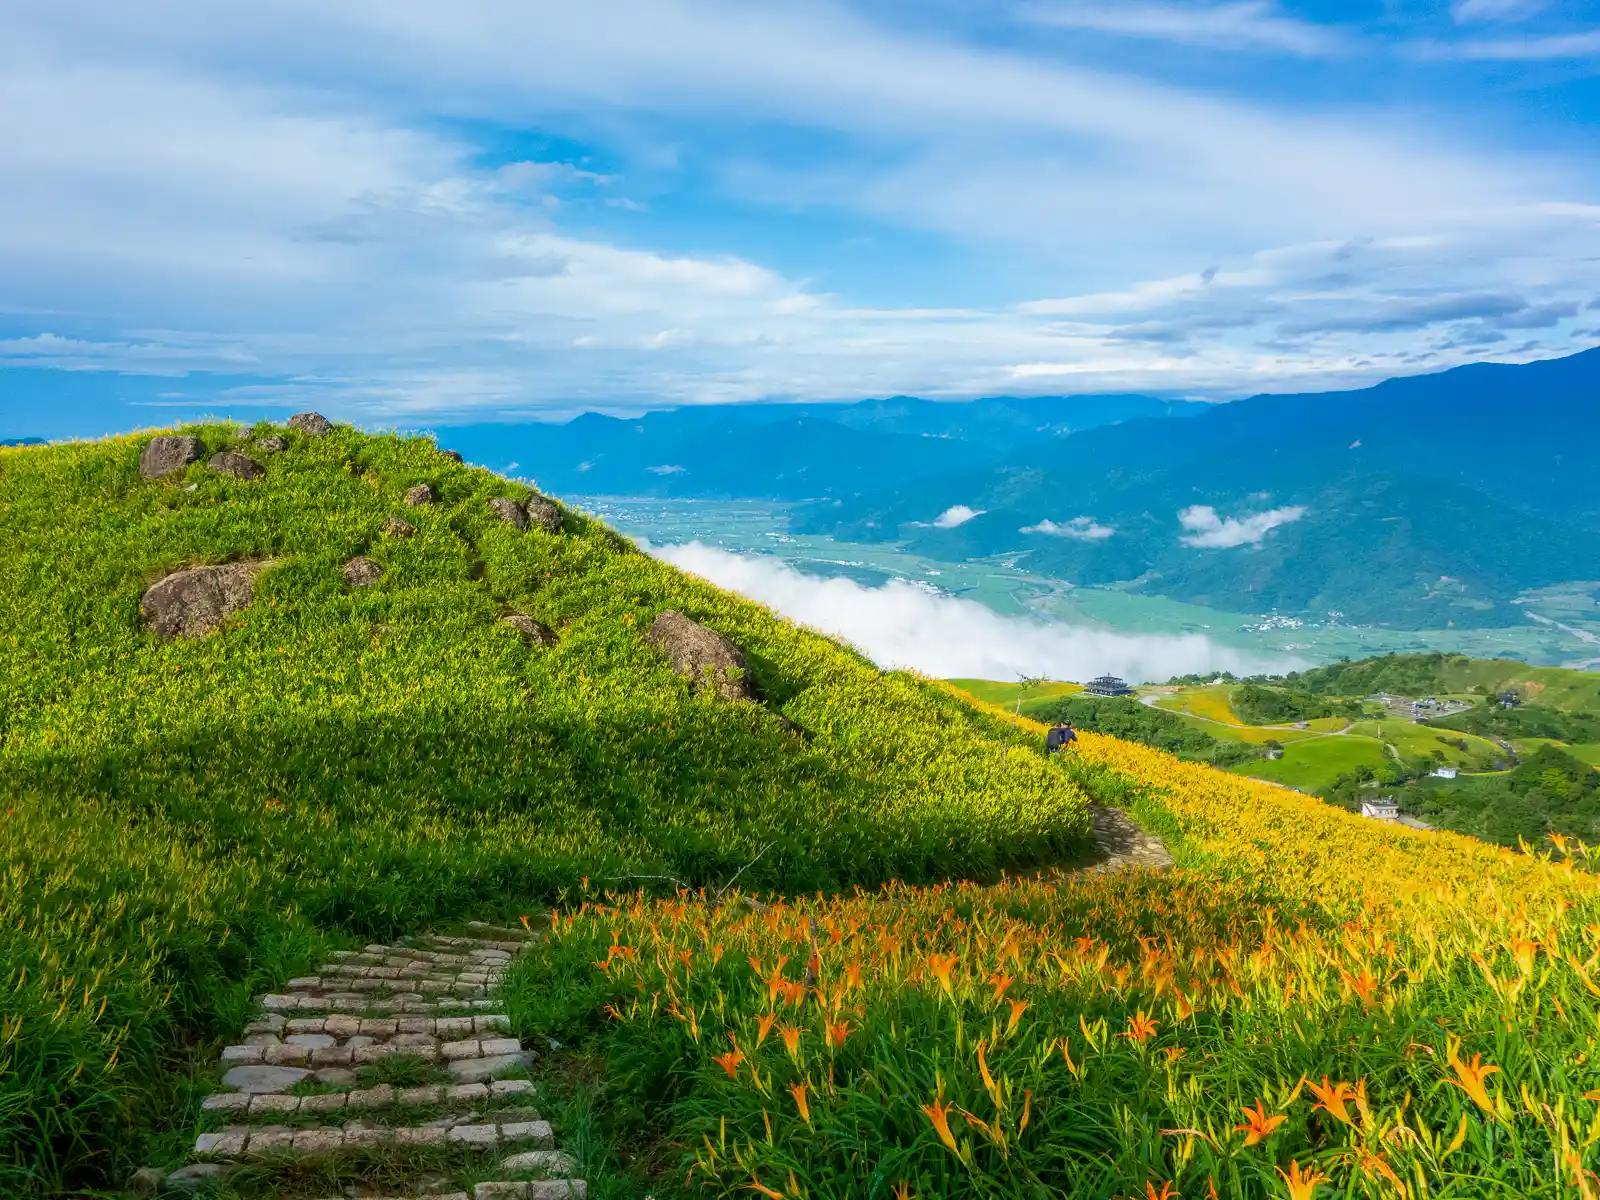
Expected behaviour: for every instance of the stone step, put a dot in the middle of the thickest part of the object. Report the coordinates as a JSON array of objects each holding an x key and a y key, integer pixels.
[
  {"x": 343, "y": 1027},
  {"x": 364, "y": 1004},
  {"x": 534, "y": 1189},
  {"x": 264, "y": 1141},
  {"x": 538, "y": 1189},
  {"x": 382, "y": 1096},
  {"x": 425, "y": 1046},
  {"x": 502, "y": 934}
]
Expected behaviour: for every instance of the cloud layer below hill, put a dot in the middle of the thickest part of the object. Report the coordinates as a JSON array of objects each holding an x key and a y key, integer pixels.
[{"x": 903, "y": 625}]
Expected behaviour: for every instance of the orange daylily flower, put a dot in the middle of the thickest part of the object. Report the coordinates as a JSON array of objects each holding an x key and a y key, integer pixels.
[
  {"x": 939, "y": 1113},
  {"x": 730, "y": 1061},
  {"x": 941, "y": 965},
  {"x": 1470, "y": 1076},
  {"x": 791, "y": 1038},
  {"x": 1302, "y": 1185},
  {"x": 1257, "y": 1124},
  {"x": 755, "y": 1185},
  {"x": 764, "y": 1026},
  {"x": 1001, "y": 983},
  {"x": 1141, "y": 1028},
  {"x": 798, "y": 1091},
  {"x": 988, "y": 1079},
  {"x": 1018, "y": 1007},
  {"x": 1169, "y": 1191},
  {"x": 852, "y": 975},
  {"x": 1331, "y": 1098},
  {"x": 836, "y": 1032}
]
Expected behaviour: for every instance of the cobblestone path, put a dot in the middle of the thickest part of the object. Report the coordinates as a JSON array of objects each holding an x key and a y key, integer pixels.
[
  {"x": 1124, "y": 843},
  {"x": 308, "y": 1079}
]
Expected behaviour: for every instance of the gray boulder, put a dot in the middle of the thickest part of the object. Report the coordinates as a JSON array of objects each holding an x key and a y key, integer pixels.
[
  {"x": 543, "y": 513},
  {"x": 509, "y": 511},
  {"x": 362, "y": 572},
  {"x": 257, "y": 1078},
  {"x": 702, "y": 655},
  {"x": 146, "y": 1181},
  {"x": 271, "y": 444},
  {"x": 195, "y": 601},
  {"x": 534, "y": 631},
  {"x": 240, "y": 466},
  {"x": 311, "y": 424},
  {"x": 169, "y": 453},
  {"x": 399, "y": 527},
  {"x": 418, "y": 496},
  {"x": 452, "y": 455}
]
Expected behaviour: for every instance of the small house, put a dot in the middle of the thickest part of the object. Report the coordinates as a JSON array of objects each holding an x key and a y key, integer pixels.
[
  {"x": 1381, "y": 810},
  {"x": 1445, "y": 772}
]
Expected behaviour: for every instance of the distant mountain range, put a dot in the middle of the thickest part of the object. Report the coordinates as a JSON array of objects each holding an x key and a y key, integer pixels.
[
  {"x": 26, "y": 441},
  {"x": 1419, "y": 502}
]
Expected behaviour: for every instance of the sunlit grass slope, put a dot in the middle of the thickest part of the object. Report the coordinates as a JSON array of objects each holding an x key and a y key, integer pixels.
[
  {"x": 1311, "y": 1005},
  {"x": 184, "y": 820}
]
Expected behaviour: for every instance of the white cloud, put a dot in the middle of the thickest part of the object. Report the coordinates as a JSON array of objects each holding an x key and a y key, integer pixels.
[
  {"x": 292, "y": 189},
  {"x": 1523, "y": 49},
  {"x": 1245, "y": 25},
  {"x": 1467, "y": 11},
  {"x": 1083, "y": 529},
  {"x": 1210, "y": 531},
  {"x": 956, "y": 514},
  {"x": 903, "y": 625}
]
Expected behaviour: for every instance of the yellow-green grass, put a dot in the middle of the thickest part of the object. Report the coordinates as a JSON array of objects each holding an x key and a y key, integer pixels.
[
  {"x": 1588, "y": 752},
  {"x": 188, "y": 822},
  {"x": 1212, "y": 703},
  {"x": 1006, "y": 694},
  {"x": 1422, "y": 741},
  {"x": 1314, "y": 765},
  {"x": 1255, "y": 735}
]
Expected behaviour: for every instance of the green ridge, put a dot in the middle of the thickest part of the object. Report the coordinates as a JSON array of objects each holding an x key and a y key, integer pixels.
[{"x": 189, "y": 822}]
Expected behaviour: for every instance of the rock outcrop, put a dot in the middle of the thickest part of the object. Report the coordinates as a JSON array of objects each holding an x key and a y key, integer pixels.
[
  {"x": 533, "y": 631},
  {"x": 702, "y": 655},
  {"x": 543, "y": 513},
  {"x": 169, "y": 453},
  {"x": 362, "y": 572},
  {"x": 509, "y": 511},
  {"x": 240, "y": 466},
  {"x": 195, "y": 601},
  {"x": 417, "y": 496},
  {"x": 453, "y": 455},
  {"x": 311, "y": 424},
  {"x": 271, "y": 444},
  {"x": 399, "y": 527}
]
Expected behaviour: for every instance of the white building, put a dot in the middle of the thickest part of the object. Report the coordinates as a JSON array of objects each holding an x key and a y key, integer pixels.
[
  {"x": 1446, "y": 772},
  {"x": 1380, "y": 810}
]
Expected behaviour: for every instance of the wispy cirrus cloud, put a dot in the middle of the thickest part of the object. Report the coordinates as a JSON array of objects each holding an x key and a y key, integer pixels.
[
  {"x": 385, "y": 207},
  {"x": 1245, "y": 25}
]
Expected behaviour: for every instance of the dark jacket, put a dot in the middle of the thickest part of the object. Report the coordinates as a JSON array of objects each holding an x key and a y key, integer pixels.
[{"x": 1058, "y": 737}]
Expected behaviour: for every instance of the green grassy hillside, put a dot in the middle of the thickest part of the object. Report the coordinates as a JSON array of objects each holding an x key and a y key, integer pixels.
[
  {"x": 1443, "y": 674},
  {"x": 188, "y": 821}
]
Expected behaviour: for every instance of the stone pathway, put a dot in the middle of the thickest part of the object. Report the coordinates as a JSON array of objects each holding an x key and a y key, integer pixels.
[
  {"x": 1124, "y": 843},
  {"x": 389, "y": 1047}
]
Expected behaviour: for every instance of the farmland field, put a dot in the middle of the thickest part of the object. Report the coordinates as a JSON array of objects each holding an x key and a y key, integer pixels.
[{"x": 1311, "y": 765}]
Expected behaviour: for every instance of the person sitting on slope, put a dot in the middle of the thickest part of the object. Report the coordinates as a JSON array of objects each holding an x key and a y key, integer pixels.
[{"x": 1060, "y": 737}]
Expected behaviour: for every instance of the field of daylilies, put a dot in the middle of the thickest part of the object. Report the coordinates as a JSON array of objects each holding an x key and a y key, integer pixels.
[
  {"x": 1310, "y": 1005},
  {"x": 189, "y": 822}
]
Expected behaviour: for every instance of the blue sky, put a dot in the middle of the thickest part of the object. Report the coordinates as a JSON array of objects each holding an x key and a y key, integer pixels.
[{"x": 405, "y": 212}]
